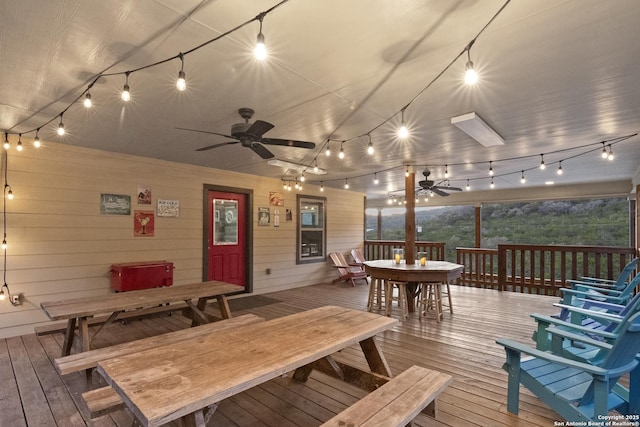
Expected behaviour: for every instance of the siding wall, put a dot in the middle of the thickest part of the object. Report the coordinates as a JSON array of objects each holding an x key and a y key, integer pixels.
[{"x": 60, "y": 246}]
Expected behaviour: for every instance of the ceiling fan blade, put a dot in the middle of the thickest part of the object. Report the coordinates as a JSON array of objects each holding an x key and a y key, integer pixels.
[
  {"x": 447, "y": 188},
  {"x": 439, "y": 192},
  {"x": 288, "y": 143},
  {"x": 207, "y": 131},
  {"x": 259, "y": 128},
  {"x": 209, "y": 147},
  {"x": 261, "y": 151}
]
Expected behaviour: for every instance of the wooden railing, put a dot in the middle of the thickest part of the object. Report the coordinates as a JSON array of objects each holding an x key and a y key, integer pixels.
[
  {"x": 381, "y": 249},
  {"x": 480, "y": 267}
]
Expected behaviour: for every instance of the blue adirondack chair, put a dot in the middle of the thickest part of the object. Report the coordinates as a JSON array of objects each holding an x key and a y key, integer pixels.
[
  {"x": 576, "y": 297},
  {"x": 625, "y": 276},
  {"x": 575, "y": 390},
  {"x": 601, "y": 325}
]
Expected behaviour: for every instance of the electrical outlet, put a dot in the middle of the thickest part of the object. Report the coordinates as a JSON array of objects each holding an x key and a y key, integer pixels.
[{"x": 15, "y": 299}]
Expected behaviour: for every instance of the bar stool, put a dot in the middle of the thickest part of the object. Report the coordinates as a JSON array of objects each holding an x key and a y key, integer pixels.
[
  {"x": 401, "y": 298},
  {"x": 376, "y": 293},
  {"x": 445, "y": 290},
  {"x": 431, "y": 299}
]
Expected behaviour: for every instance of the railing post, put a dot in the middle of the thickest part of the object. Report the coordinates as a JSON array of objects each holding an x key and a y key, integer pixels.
[{"x": 502, "y": 267}]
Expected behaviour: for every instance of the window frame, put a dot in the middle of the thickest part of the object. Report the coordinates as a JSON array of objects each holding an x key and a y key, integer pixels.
[{"x": 303, "y": 227}]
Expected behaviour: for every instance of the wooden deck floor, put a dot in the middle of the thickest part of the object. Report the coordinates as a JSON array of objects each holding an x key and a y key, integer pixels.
[{"x": 33, "y": 394}]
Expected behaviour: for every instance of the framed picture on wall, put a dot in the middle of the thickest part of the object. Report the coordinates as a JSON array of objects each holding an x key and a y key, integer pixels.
[{"x": 264, "y": 216}]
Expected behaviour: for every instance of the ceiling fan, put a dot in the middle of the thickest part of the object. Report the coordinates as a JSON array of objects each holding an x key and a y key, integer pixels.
[
  {"x": 250, "y": 136},
  {"x": 428, "y": 185}
]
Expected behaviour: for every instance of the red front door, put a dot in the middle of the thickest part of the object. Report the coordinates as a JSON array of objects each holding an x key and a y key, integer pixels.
[{"x": 226, "y": 252}]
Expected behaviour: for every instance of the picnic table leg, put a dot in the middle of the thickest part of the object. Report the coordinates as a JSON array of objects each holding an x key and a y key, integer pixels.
[
  {"x": 85, "y": 344},
  {"x": 68, "y": 337},
  {"x": 197, "y": 311},
  {"x": 375, "y": 358},
  {"x": 223, "y": 306}
]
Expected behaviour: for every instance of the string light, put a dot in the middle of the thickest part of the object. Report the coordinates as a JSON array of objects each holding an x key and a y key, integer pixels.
[
  {"x": 87, "y": 100},
  {"x": 36, "y": 140},
  {"x": 560, "y": 171},
  {"x": 321, "y": 186},
  {"x": 6, "y": 144},
  {"x": 542, "y": 165},
  {"x": 604, "y": 151},
  {"x": 341, "y": 153},
  {"x": 302, "y": 178},
  {"x": 375, "y": 178},
  {"x": 492, "y": 185},
  {"x": 446, "y": 171},
  {"x": 522, "y": 180},
  {"x": 468, "y": 186},
  {"x": 327, "y": 152},
  {"x": 260, "y": 51},
  {"x": 490, "y": 168},
  {"x": 126, "y": 95},
  {"x": 470, "y": 74},
  {"x": 370, "y": 149},
  {"x": 403, "y": 132},
  {"x": 346, "y": 184},
  {"x": 406, "y": 173},
  {"x": 315, "y": 166},
  {"x": 61, "y": 126},
  {"x": 610, "y": 154},
  {"x": 19, "y": 146},
  {"x": 284, "y": 184},
  {"x": 181, "y": 83},
  {"x": 4, "y": 248}
]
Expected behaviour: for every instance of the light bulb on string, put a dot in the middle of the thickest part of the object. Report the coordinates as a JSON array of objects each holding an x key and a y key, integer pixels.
[
  {"x": 341, "y": 153},
  {"x": 403, "y": 131},
  {"x": 542, "y": 165},
  {"x": 610, "y": 153},
  {"x": 321, "y": 186},
  {"x": 446, "y": 171},
  {"x": 470, "y": 75},
  {"x": 375, "y": 178},
  {"x": 346, "y": 184},
  {"x": 522, "y": 179},
  {"x": 181, "y": 83},
  {"x": 315, "y": 166},
  {"x": 327, "y": 152},
  {"x": 370, "y": 149},
  {"x": 468, "y": 185},
  {"x": 4, "y": 248},
  {"x": 492, "y": 185},
  {"x": 19, "y": 147},
  {"x": 9, "y": 193},
  {"x": 560, "y": 171},
  {"x": 490, "y": 168},
  {"x": 6, "y": 144},
  {"x": 36, "y": 140},
  {"x": 61, "y": 130},
  {"x": 604, "y": 154},
  {"x": 260, "y": 51},
  {"x": 87, "y": 100},
  {"x": 284, "y": 185},
  {"x": 302, "y": 178},
  {"x": 126, "y": 94}
]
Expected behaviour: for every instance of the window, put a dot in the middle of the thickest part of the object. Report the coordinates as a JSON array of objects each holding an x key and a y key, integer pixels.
[{"x": 311, "y": 229}]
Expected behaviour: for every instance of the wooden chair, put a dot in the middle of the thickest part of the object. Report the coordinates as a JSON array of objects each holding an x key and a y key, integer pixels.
[
  {"x": 603, "y": 325},
  {"x": 348, "y": 272},
  {"x": 575, "y": 390},
  {"x": 577, "y": 297},
  {"x": 358, "y": 257}
]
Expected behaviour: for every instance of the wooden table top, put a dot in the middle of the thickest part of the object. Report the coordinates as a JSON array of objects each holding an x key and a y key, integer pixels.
[
  {"x": 433, "y": 271},
  {"x": 121, "y": 301},
  {"x": 177, "y": 379}
]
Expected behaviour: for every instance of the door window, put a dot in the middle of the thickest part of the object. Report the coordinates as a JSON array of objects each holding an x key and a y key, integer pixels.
[{"x": 225, "y": 222}]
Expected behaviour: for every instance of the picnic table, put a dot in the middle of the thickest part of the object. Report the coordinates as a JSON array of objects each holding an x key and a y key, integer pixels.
[
  {"x": 187, "y": 379},
  {"x": 80, "y": 310}
]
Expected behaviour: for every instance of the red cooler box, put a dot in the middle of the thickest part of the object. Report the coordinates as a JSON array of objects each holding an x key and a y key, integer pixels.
[{"x": 141, "y": 275}]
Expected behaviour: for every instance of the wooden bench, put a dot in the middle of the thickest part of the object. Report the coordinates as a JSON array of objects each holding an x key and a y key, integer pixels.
[
  {"x": 105, "y": 399},
  {"x": 397, "y": 402}
]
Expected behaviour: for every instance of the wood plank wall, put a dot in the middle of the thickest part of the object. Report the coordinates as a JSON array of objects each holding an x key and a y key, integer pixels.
[{"x": 60, "y": 246}]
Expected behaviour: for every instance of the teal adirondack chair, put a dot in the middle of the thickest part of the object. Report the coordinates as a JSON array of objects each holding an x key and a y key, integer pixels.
[
  {"x": 625, "y": 276},
  {"x": 578, "y": 391},
  {"x": 576, "y": 297},
  {"x": 601, "y": 325}
]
